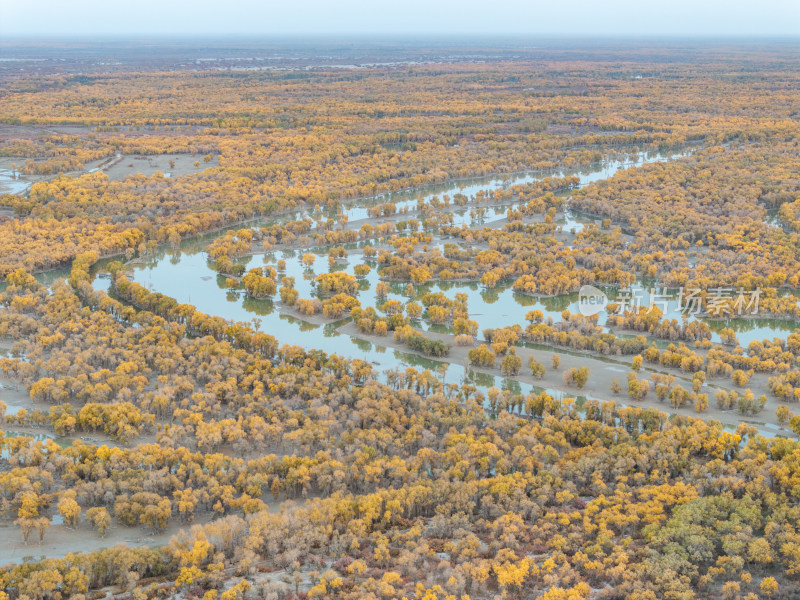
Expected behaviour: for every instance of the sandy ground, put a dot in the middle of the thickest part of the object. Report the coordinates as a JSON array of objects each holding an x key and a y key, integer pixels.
[
  {"x": 14, "y": 396},
  {"x": 603, "y": 370},
  {"x": 149, "y": 165},
  {"x": 117, "y": 168},
  {"x": 60, "y": 540}
]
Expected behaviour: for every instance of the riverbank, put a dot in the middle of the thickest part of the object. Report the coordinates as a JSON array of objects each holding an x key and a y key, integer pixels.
[{"x": 603, "y": 371}]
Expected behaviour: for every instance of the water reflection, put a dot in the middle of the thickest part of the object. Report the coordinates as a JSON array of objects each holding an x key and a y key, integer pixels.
[{"x": 185, "y": 274}]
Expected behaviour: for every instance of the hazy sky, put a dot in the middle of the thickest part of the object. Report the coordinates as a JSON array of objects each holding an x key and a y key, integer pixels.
[{"x": 341, "y": 17}]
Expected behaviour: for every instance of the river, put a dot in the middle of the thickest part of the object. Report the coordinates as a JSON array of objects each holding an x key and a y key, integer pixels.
[{"x": 186, "y": 275}]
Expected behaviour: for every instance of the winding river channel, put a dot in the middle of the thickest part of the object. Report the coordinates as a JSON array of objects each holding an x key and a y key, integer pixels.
[{"x": 186, "y": 274}]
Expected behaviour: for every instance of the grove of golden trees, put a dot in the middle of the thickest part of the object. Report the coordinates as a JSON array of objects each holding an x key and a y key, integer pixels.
[{"x": 266, "y": 469}]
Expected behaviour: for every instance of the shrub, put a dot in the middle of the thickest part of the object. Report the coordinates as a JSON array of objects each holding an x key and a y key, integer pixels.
[{"x": 429, "y": 347}]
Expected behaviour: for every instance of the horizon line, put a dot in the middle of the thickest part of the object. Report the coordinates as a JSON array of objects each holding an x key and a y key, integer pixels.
[{"x": 378, "y": 36}]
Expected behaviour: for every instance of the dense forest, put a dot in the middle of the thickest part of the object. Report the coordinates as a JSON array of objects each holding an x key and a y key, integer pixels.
[{"x": 150, "y": 449}]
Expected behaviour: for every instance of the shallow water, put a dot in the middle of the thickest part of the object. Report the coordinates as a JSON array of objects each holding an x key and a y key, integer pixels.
[
  {"x": 39, "y": 437},
  {"x": 11, "y": 185},
  {"x": 186, "y": 275},
  {"x": 409, "y": 199}
]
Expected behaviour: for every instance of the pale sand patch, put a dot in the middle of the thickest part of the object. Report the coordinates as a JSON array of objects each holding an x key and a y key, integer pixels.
[{"x": 603, "y": 370}]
